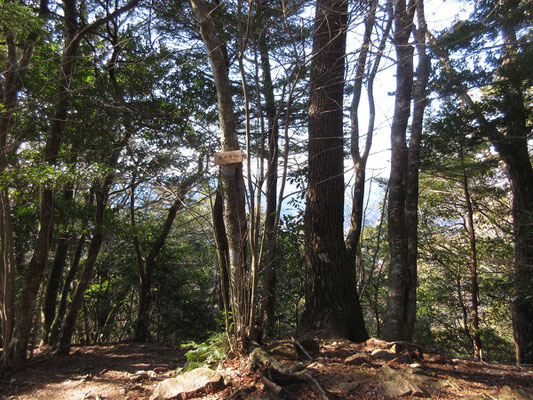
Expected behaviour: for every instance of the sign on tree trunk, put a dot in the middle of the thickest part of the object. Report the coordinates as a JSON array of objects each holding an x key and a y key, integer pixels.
[{"x": 228, "y": 157}]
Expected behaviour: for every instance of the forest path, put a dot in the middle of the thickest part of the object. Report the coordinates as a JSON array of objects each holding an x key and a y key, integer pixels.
[{"x": 132, "y": 371}]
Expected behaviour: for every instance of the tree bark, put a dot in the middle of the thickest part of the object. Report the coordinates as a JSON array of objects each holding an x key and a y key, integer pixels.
[
  {"x": 232, "y": 181},
  {"x": 396, "y": 319},
  {"x": 332, "y": 304}
]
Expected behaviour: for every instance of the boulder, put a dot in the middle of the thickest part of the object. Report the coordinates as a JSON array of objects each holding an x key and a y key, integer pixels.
[{"x": 190, "y": 384}]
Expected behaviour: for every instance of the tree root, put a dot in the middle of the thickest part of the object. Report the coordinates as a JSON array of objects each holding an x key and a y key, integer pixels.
[{"x": 275, "y": 376}]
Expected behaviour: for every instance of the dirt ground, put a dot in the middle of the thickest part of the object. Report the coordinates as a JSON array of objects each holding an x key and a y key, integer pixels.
[{"x": 132, "y": 371}]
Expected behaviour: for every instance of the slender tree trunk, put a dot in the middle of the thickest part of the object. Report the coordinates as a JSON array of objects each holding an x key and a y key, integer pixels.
[
  {"x": 474, "y": 287},
  {"x": 397, "y": 316},
  {"x": 268, "y": 303},
  {"x": 331, "y": 302},
  {"x": 222, "y": 252},
  {"x": 67, "y": 329},
  {"x": 360, "y": 160},
  {"x": 53, "y": 337},
  {"x": 54, "y": 277},
  {"x": 232, "y": 181}
]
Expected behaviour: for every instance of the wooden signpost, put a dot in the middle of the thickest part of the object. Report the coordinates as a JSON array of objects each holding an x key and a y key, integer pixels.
[{"x": 228, "y": 157}]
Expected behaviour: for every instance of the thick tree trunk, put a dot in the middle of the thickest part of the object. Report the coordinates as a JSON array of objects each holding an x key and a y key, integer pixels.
[
  {"x": 397, "y": 317},
  {"x": 232, "y": 180},
  {"x": 331, "y": 302},
  {"x": 515, "y": 152}
]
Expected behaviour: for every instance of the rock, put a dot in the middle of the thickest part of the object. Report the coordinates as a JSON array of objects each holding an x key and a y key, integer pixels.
[
  {"x": 357, "y": 359},
  {"x": 343, "y": 388},
  {"x": 395, "y": 384},
  {"x": 507, "y": 393},
  {"x": 189, "y": 384},
  {"x": 383, "y": 354},
  {"x": 285, "y": 350},
  {"x": 160, "y": 370},
  {"x": 139, "y": 376},
  {"x": 373, "y": 342}
]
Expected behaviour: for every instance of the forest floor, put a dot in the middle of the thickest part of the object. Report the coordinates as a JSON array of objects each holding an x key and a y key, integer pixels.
[{"x": 113, "y": 372}]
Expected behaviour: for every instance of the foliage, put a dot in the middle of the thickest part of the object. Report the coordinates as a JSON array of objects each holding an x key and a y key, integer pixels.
[{"x": 209, "y": 352}]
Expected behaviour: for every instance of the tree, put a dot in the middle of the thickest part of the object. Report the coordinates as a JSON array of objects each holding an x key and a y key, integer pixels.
[
  {"x": 360, "y": 158},
  {"x": 232, "y": 180},
  {"x": 502, "y": 116},
  {"x": 397, "y": 325},
  {"x": 331, "y": 301}
]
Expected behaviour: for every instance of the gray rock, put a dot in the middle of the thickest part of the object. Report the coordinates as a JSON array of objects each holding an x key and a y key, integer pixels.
[
  {"x": 189, "y": 384},
  {"x": 394, "y": 384},
  {"x": 357, "y": 359},
  {"x": 343, "y": 388}
]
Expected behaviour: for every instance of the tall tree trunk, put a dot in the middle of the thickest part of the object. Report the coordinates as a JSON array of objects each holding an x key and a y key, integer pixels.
[
  {"x": 474, "y": 287},
  {"x": 515, "y": 152},
  {"x": 268, "y": 302},
  {"x": 222, "y": 253},
  {"x": 360, "y": 158},
  {"x": 38, "y": 262},
  {"x": 413, "y": 165},
  {"x": 17, "y": 63},
  {"x": 331, "y": 304},
  {"x": 396, "y": 319},
  {"x": 232, "y": 181}
]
